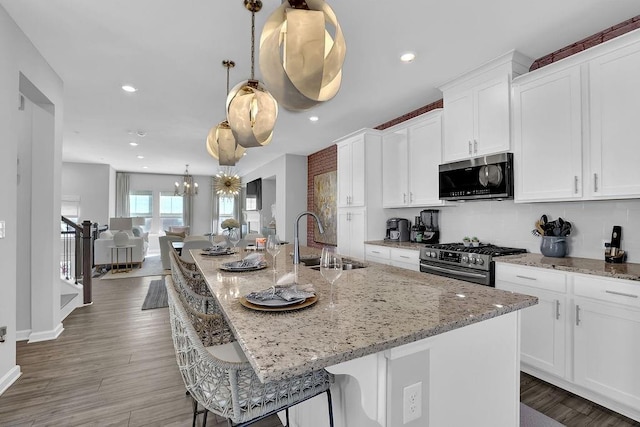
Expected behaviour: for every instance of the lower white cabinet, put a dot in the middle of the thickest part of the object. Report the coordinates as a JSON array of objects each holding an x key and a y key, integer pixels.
[
  {"x": 584, "y": 335},
  {"x": 379, "y": 254},
  {"x": 397, "y": 257},
  {"x": 351, "y": 232}
]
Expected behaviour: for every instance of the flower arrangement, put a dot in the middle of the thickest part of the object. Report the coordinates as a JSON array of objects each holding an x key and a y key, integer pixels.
[{"x": 230, "y": 223}]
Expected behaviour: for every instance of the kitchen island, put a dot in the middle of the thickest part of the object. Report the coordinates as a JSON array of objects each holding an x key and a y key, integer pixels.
[{"x": 450, "y": 348}]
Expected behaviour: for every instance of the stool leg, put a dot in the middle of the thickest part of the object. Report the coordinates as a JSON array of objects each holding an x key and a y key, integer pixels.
[
  {"x": 330, "y": 408},
  {"x": 286, "y": 411},
  {"x": 195, "y": 412},
  {"x": 204, "y": 419}
]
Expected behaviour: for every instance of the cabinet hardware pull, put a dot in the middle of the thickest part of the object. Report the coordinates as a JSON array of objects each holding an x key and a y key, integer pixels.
[
  {"x": 557, "y": 309},
  {"x": 469, "y": 147},
  {"x": 375, "y": 252},
  {"x": 526, "y": 277},
  {"x": 475, "y": 146},
  {"x": 575, "y": 183},
  {"x": 577, "y": 315},
  {"x": 404, "y": 197},
  {"x": 595, "y": 182},
  {"x": 621, "y": 294},
  {"x": 404, "y": 256},
  {"x": 410, "y": 196}
]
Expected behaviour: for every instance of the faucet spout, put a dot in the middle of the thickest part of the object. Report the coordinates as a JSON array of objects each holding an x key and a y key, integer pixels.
[{"x": 296, "y": 241}]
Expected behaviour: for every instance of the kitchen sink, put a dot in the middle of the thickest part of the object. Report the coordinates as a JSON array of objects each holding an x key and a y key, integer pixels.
[{"x": 350, "y": 266}]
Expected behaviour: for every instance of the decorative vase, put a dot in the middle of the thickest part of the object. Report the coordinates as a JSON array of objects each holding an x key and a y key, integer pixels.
[
  {"x": 553, "y": 246},
  {"x": 120, "y": 239}
]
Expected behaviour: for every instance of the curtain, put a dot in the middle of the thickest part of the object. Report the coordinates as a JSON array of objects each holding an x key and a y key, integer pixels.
[
  {"x": 214, "y": 206},
  {"x": 122, "y": 194},
  {"x": 187, "y": 210}
]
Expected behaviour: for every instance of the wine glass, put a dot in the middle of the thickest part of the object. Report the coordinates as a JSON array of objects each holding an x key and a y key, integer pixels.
[
  {"x": 234, "y": 237},
  {"x": 331, "y": 269},
  {"x": 273, "y": 247}
]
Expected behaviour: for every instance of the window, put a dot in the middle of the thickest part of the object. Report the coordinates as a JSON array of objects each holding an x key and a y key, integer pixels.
[
  {"x": 226, "y": 209},
  {"x": 170, "y": 209},
  {"x": 141, "y": 204}
]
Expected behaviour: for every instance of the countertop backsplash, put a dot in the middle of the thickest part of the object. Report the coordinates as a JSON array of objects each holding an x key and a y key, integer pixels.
[{"x": 507, "y": 223}]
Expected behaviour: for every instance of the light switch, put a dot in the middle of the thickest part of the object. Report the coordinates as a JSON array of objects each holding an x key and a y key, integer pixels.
[{"x": 1, "y": 229}]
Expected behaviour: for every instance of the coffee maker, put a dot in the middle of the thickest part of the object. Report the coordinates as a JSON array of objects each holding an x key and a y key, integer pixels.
[
  {"x": 397, "y": 230},
  {"x": 431, "y": 233}
]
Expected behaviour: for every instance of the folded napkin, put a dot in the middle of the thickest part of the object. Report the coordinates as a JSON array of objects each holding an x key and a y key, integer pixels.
[
  {"x": 218, "y": 247},
  {"x": 250, "y": 261},
  {"x": 284, "y": 292}
]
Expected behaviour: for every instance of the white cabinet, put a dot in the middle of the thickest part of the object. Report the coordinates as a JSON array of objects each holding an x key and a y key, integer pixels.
[
  {"x": 411, "y": 154},
  {"x": 351, "y": 171},
  {"x": 548, "y": 136},
  {"x": 543, "y": 326},
  {"x": 575, "y": 130},
  {"x": 477, "y": 108},
  {"x": 405, "y": 258},
  {"x": 351, "y": 232},
  {"x": 379, "y": 254}
]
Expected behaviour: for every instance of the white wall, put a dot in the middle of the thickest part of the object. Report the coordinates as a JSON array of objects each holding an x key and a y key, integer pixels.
[
  {"x": 509, "y": 224},
  {"x": 290, "y": 172},
  {"x": 268, "y": 199},
  {"x": 92, "y": 184},
  {"x": 20, "y": 56}
]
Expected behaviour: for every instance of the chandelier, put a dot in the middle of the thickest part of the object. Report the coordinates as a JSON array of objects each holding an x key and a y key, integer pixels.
[
  {"x": 226, "y": 184},
  {"x": 221, "y": 143},
  {"x": 251, "y": 110},
  {"x": 300, "y": 61},
  {"x": 189, "y": 187}
]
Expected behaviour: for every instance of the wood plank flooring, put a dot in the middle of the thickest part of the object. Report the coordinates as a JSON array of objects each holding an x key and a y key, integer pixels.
[{"x": 114, "y": 365}]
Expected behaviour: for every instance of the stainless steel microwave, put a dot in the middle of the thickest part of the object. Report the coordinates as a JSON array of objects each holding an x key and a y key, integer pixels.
[{"x": 481, "y": 178}]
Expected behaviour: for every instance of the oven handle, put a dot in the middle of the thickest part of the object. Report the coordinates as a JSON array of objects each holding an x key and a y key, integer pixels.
[{"x": 461, "y": 273}]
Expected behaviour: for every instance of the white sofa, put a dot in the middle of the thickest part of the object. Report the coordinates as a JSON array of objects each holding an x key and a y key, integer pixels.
[{"x": 102, "y": 247}]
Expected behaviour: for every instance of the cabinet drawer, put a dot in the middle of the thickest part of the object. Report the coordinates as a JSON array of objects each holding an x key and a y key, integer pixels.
[
  {"x": 609, "y": 290},
  {"x": 407, "y": 256},
  {"x": 373, "y": 251},
  {"x": 414, "y": 266},
  {"x": 530, "y": 276}
]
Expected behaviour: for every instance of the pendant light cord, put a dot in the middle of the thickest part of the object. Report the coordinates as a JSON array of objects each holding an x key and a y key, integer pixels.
[{"x": 253, "y": 43}]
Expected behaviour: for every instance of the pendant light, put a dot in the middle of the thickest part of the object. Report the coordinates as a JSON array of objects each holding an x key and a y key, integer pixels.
[
  {"x": 300, "y": 60},
  {"x": 251, "y": 110},
  {"x": 221, "y": 143}
]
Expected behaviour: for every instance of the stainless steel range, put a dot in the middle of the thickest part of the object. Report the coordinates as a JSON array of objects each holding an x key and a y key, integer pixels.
[{"x": 473, "y": 264}]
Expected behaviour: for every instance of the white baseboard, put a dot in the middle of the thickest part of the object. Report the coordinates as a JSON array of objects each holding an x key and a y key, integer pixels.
[
  {"x": 23, "y": 335},
  {"x": 11, "y": 377},
  {"x": 46, "y": 335}
]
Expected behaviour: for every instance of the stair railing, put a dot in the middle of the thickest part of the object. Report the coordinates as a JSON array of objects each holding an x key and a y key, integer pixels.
[{"x": 76, "y": 262}]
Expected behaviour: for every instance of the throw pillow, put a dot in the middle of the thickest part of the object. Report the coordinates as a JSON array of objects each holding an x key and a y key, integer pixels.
[
  {"x": 173, "y": 233},
  {"x": 121, "y": 238},
  {"x": 107, "y": 234}
]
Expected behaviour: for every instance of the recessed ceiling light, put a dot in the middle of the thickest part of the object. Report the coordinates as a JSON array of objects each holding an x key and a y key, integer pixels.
[
  {"x": 133, "y": 144},
  {"x": 145, "y": 167},
  {"x": 141, "y": 133},
  {"x": 245, "y": 153},
  {"x": 407, "y": 57},
  {"x": 141, "y": 157},
  {"x": 314, "y": 118},
  {"x": 129, "y": 88}
]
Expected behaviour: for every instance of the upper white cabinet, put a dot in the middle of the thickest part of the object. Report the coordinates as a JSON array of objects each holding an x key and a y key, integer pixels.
[
  {"x": 476, "y": 109},
  {"x": 411, "y": 154},
  {"x": 576, "y": 127},
  {"x": 351, "y": 170}
]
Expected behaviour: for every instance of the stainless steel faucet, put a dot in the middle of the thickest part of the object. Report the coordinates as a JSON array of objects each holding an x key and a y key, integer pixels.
[{"x": 296, "y": 241}]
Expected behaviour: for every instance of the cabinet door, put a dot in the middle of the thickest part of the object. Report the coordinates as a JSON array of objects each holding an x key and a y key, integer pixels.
[
  {"x": 344, "y": 174},
  {"x": 394, "y": 169},
  {"x": 344, "y": 232},
  {"x": 606, "y": 348},
  {"x": 543, "y": 329},
  {"x": 458, "y": 126},
  {"x": 425, "y": 142},
  {"x": 548, "y": 137},
  {"x": 491, "y": 120},
  {"x": 614, "y": 127},
  {"x": 358, "y": 171},
  {"x": 358, "y": 233}
]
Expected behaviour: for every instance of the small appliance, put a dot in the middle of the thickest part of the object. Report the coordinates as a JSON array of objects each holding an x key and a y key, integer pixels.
[
  {"x": 481, "y": 178},
  {"x": 397, "y": 230},
  {"x": 429, "y": 219},
  {"x": 613, "y": 253}
]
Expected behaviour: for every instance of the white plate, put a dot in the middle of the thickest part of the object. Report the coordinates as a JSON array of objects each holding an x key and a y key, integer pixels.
[
  {"x": 230, "y": 267},
  {"x": 276, "y": 302}
]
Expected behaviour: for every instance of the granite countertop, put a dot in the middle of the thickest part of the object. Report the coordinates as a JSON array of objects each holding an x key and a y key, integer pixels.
[
  {"x": 379, "y": 307},
  {"x": 393, "y": 244},
  {"x": 627, "y": 271}
]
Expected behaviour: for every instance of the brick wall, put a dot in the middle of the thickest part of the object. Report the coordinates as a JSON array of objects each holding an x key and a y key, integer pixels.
[
  {"x": 411, "y": 115},
  {"x": 318, "y": 163},
  {"x": 591, "y": 41}
]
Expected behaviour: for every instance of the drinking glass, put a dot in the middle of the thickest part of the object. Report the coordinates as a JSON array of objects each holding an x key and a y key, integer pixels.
[
  {"x": 331, "y": 269},
  {"x": 234, "y": 237},
  {"x": 273, "y": 247}
]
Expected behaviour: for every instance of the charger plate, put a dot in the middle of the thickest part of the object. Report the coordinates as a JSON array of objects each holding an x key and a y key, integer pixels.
[{"x": 306, "y": 303}]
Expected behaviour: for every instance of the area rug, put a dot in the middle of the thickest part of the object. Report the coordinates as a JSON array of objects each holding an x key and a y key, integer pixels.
[
  {"x": 529, "y": 417},
  {"x": 156, "y": 296},
  {"x": 152, "y": 266}
]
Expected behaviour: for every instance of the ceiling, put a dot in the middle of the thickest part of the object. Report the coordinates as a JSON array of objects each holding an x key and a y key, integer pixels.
[{"x": 172, "y": 51}]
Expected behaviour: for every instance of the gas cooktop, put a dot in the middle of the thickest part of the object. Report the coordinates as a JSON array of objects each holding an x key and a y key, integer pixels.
[{"x": 485, "y": 249}]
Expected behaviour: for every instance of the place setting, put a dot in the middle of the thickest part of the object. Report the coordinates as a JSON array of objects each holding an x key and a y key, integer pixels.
[
  {"x": 284, "y": 295},
  {"x": 217, "y": 250},
  {"x": 251, "y": 262}
]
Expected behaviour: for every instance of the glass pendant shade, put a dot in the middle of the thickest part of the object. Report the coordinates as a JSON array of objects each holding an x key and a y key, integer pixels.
[
  {"x": 222, "y": 146},
  {"x": 301, "y": 62},
  {"x": 252, "y": 113}
]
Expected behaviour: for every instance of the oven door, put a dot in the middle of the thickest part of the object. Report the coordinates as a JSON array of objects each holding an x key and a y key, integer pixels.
[
  {"x": 487, "y": 177},
  {"x": 481, "y": 277}
]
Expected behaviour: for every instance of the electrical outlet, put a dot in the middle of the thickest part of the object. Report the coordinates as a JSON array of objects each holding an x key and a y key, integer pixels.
[{"x": 412, "y": 403}]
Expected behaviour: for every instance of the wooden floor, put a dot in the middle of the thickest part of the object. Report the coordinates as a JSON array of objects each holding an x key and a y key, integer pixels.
[{"x": 114, "y": 365}]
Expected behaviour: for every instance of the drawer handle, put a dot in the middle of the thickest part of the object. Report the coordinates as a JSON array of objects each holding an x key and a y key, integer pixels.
[
  {"x": 577, "y": 315},
  {"x": 404, "y": 256},
  {"x": 557, "y": 309},
  {"x": 526, "y": 277},
  {"x": 375, "y": 252},
  {"x": 595, "y": 182},
  {"x": 622, "y": 294}
]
